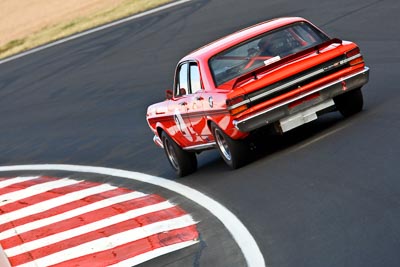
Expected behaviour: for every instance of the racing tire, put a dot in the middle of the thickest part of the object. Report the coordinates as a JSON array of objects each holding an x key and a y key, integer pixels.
[
  {"x": 183, "y": 162},
  {"x": 233, "y": 152},
  {"x": 349, "y": 103}
]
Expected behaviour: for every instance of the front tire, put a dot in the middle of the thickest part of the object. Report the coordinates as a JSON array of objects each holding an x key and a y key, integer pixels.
[
  {"x": 183, "y": 162},
  {"x": 350, "y": 102},
  {"x": 233, "y": 152}
]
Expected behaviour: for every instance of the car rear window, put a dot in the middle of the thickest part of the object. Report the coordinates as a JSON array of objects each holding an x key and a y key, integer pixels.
[{"x": 264, "y": 50}]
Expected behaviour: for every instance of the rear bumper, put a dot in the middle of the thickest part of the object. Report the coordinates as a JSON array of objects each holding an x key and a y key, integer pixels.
[
  {"x": 157, "y": 140},
  {"x": 282, "y": 110}
]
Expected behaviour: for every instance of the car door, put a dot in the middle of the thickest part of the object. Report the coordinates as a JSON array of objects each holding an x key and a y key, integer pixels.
[
  {"x": 196, "y": 104},
  {"x": 178, "y": 107}
]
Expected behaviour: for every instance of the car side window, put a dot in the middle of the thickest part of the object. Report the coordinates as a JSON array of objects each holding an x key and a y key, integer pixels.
[
  {"x": 195, "y": 82},
  {"x": 182, "y": 85}
]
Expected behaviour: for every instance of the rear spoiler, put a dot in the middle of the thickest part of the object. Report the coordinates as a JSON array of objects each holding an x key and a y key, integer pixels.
[{"x": 255, "y": 72}]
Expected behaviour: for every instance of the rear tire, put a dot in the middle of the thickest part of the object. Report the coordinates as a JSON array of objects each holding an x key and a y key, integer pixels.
[
  {"x": 234, "y": 152},
  {"x": 183, "y": 162},
  {"x": 350, "y": 103}
]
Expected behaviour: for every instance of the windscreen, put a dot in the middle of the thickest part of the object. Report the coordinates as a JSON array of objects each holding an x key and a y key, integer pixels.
[{"x": 264, "y": 50}]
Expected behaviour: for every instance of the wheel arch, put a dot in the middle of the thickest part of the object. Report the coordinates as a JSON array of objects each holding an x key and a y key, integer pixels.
[
  {"x": 231, "y": 131},
  {"x": 161, "y": 129}
]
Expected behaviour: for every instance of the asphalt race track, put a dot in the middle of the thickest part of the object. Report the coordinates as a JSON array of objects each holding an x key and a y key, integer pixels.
[{"x": 325, "y": 194}]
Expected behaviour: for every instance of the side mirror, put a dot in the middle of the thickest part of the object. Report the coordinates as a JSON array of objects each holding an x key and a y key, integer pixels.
[{"x": 168, "y": 94}]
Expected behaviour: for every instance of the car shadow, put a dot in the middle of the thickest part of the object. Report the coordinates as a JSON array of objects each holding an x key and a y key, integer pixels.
[{"x": 265, "y": 143}]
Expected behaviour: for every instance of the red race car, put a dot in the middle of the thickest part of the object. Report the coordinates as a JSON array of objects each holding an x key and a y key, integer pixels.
[{"x": 280, "y": 73}]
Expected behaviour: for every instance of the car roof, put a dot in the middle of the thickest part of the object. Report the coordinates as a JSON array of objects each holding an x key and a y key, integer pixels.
[{"x": 207, "y": 51}]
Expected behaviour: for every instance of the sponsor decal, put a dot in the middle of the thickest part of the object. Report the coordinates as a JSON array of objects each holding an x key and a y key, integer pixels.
[
  {"x": 337, "y": 64},
  {"x": 210, "y": 101},
  {"x": 272, "y": 60},
  {"x": 180, "y": 123}
]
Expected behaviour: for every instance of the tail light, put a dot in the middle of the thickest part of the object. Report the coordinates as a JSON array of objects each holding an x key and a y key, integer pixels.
[
  {"x": 355, "y": 56},
  {"x": 237, "y": 104}
]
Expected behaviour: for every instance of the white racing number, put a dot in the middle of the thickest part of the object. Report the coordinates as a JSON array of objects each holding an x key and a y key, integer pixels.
[{"x": 180, "y": 123}]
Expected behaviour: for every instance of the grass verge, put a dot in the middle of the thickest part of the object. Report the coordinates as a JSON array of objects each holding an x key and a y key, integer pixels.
[{"x": 54, "y": 32}]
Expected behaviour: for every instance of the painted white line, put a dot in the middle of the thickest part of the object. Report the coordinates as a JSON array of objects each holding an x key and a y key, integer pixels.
[
  {"x": 87, "y": 228},
  {"x": 54, "y": 202},
  {"x": 153, "y": 254},
  {"x": 16, "y": 180},
  {"x": 34, "y": 190},
  {"x": 111, "y": 242},
  {"x": 239, "y": 232},
  {"x": 69, "y": 214},
  {"x": 100, "y": 28}
]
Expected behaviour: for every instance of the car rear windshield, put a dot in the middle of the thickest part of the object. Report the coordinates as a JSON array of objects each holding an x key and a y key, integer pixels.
[{"x": 264, "y": 50}]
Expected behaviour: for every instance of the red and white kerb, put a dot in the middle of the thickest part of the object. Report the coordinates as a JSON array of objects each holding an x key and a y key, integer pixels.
[{"x": 47, "y": 221}]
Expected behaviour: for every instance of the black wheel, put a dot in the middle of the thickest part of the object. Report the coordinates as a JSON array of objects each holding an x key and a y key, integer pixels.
[
  {"x": 234, "y": 152},
  {"x": 349, "y": 103},
  {"x": 183, "y": 162}
]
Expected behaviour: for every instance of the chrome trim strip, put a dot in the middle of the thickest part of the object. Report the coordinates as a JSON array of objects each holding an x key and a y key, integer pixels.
[
  {"x": 284, "y": 86},
  {"x": 201, "y": 147},
  {"x": 158, "y": 142},
  {"x": 236, "y": 122},
  {"x": 315, "y": 73},
  {"x": 350, "y": 59}
]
